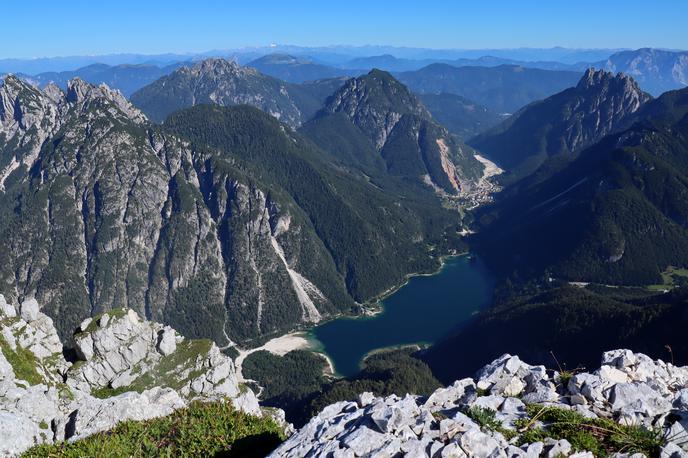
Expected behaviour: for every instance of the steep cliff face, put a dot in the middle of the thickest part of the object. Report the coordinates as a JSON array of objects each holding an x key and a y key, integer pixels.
[
  {"x": 126, "y": 368},
  {"x": 401, "y": 132},
  {"x": 102, "y": 211},
  {"x": 220, "y": 82},
  {"x": 563, "y": 124},
  {"x": 223, "y": 222}
]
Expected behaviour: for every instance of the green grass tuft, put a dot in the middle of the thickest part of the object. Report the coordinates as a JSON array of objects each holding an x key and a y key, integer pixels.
[
  {"x": 487, "y": 419},
  {"x": 23, "y": 362},
  {"x": 601, "y": 436},
  {"x": 210, "y": 429}
]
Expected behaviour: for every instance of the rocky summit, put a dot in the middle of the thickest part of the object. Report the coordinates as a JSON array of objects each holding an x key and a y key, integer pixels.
[
  {"x": 221, "y": 82},
  {"x": 400, "y": 133},
  {"x": 564, "y": 123},
  {"x": 123, "y": 368},
  {"x": 632, "y": 406}
]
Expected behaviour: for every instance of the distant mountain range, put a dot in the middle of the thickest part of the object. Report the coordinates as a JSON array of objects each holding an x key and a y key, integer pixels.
[
  {"x": 297, "y": 69},
  {"x": 126, "y": 78},
  {"x": 503, "y": 89},
  {"x": 395, "y": 64},
  {"x": 329, "y": 55},
  {"x": 656, "y": 71}
]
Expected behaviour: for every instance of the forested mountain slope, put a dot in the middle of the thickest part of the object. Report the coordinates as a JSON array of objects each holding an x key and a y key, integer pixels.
[
  {"x": 376, "y": 123},
  {"x": 617, "y": 214},
  {"x": 241, "y": 233}
]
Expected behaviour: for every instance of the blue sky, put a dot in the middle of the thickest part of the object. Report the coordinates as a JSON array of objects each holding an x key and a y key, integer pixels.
[{"x": 54, "y": 28}]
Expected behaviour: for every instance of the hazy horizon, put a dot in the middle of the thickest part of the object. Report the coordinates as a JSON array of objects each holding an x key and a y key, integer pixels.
[
  {"x": 153, "y": 28},
  {"x": 277, "y": 47}
]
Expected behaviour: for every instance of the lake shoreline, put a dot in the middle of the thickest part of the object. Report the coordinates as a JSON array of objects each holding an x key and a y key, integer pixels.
[
  {"x": 430, "y": 306},
  {"x": 303, "y": 338},
  {"x": 279, "y": 346},
  {"x": 443, "y": 262}
]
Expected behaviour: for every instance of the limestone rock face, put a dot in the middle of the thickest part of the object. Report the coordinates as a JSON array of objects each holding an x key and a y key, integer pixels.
[
  {"x": 629, "y": 388},
  {"x": 186, "y": 228},
  {"x": 17, "y": 433},
  {"x": 91, "y": 415},
  {"x": 44, "y": 398},
  {"x": 29, "y": 310}
]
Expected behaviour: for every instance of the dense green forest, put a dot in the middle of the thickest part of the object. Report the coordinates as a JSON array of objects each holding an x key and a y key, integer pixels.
[
  {"x": 296, "y": 383},
  {"x": 460, "y": 115},
  {"x": 359, "y": 224},
  {"x": 574, "y": 324}
]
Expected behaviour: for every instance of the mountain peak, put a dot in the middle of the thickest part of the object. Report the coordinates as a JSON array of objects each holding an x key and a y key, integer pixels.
[
  {"x": 403, "y": 132},
  {"x": 218, "y": 67},
  {"x": 12, "y": 84},
  {"x": 594, "y": 77},
  {"x": 376, "y": 102},
  {"x": 79, "y": 90},
  {"x": 11, "y": 79},
  {"x": 383, "y": 76},
  {"x": 220, "y": 82},
  {"x": 81, "y": 93},
  {"x": 598, "y": 105}
]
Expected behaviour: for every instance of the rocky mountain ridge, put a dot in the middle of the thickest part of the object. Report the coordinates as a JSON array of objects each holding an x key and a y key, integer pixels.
[
  {"x": 614, "y": 215},
  {"x": 124, "y": 368},
  {"x": 123, "y": 198},
  {"x": 563, "y": 124},
  {"x": 631, "y": 406}
]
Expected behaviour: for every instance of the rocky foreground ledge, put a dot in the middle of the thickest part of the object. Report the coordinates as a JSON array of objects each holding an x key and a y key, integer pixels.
[
  {"x": 631, "y": 406},
  {"x": 126, "y": 368}
]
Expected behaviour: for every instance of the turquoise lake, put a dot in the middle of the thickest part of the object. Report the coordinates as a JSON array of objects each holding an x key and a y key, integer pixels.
[{"x": 423, "y": 311}]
